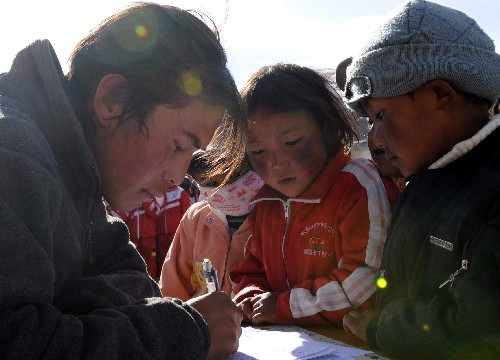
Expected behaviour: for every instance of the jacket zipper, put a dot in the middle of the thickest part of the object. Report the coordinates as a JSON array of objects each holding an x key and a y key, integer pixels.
[
  {"x": 91, "y": 224},
  {"x": 89, "y": 242},
  {"x": 286, "y": 207},
  {"x": 462, "y": 268},
  {"x": 465, "y": 262},
  {"x": 226, "y": 258}
]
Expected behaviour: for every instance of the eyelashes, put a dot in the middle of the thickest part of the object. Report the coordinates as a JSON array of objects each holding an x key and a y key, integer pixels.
[
  {"x": 287, "y": 143},
  {"x": 294, "y": 142}
]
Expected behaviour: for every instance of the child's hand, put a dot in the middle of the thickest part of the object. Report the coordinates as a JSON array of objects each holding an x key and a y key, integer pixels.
[
  {"x": 264, "y": 308},
  {"x": 246, "y": 307},
  {"x": 356, "y": 323}
]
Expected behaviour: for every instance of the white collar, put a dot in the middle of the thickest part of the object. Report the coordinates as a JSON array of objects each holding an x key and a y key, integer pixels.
[{"x": 463, "y": 147}]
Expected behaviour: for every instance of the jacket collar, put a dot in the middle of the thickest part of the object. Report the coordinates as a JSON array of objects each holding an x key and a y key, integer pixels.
[{"x": 463, "y": 147}]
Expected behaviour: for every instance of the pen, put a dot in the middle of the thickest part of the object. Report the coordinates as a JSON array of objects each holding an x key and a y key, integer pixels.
[{"x": 210, "y": 276}]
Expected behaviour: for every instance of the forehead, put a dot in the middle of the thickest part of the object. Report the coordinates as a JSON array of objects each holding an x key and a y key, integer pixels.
[
  {"x": 268, "y": 125},
  {"x": 396, "y": 103},
  {"x": 196, "y": 121}
]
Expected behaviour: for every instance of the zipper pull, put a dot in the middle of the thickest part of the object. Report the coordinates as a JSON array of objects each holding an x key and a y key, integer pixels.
[
  {"x": 452, "y": 276},
  {"x": 287, "y": 211},
  {"x": 381, "y": 281}
]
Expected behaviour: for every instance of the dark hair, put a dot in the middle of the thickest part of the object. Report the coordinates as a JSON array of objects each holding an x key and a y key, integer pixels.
[
  {"x": 167, "y": 55},
  {"x": 199, "y": 164},
  {"x": 283, "y": 88},
  {"x": 202, "y": 166}
]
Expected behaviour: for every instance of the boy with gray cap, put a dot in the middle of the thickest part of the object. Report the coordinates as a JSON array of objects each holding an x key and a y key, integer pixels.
[{"x": 426, "y": 80}]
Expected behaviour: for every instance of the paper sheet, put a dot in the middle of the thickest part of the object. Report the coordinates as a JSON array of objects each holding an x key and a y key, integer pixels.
[{"x": 272, "y": 343}]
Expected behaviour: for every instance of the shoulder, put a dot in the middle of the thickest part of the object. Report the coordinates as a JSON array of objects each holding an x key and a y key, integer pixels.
[
  {"x": 363, "y": 172},
  {"x": 362, "y": 167},
  {"x": 198, "y": 209},
  {"x": 21, "y": 137}
]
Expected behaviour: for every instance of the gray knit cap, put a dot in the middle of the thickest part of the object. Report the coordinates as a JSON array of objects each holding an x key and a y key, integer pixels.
[{"x": 419, "y": 42}]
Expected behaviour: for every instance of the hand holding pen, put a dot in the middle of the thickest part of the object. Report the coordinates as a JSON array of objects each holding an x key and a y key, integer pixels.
[{"x": 210, "y": 276}]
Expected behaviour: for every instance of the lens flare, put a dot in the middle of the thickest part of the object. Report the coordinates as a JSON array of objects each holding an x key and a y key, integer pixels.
[
  {"x": 141, "y": 31},
  {"x": 381, "y": 283},
  {"x": 137, "y": 34},
  {"x": 191, "y": 84}
]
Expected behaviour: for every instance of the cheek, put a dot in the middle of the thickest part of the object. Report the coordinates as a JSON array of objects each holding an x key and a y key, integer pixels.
[
  {"x": 310, "y": 158},
  {"x": 303, "y": 156},
  {"x": 258, "y": 165}
]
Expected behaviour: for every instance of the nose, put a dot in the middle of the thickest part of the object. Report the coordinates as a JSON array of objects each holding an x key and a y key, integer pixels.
[
  {"x": 277, "y": 160},
  {"x": 174, "y": 173},
  {"x": 375, "y": 137}
]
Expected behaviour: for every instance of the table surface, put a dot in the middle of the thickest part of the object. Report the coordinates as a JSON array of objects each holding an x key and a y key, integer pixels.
[
  {"x": 339, "y": 335},
  {"x": 344, "y": 337}
]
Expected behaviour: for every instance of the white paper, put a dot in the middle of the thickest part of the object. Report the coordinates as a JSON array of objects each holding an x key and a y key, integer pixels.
[{"x": 272, "y": 343}]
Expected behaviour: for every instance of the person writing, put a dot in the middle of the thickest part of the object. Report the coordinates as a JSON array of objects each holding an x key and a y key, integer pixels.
[
  {"x": 320, "y": 221},
  {"x": 427, "y": 80},
  {"x": 145, "y": 89}
]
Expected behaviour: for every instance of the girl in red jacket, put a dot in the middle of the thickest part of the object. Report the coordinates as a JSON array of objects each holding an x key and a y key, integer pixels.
[{"x": 319, "y": 224}]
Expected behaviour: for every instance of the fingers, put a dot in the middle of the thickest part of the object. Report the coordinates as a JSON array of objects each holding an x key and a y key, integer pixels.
[
  {"x": 247, "y": 308},
  {"x": 237, "y": 341},
  {"x": 238, "y": 317},
  {"x": 347, "y": 323},
  {"x": 224, "y": 325},
  {"x": 355, "y": 314}
]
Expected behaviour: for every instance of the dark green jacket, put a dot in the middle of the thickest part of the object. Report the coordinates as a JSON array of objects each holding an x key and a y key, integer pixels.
[
  {"x": 71, "y": 284},
  {"x": 446, "y": 218}
]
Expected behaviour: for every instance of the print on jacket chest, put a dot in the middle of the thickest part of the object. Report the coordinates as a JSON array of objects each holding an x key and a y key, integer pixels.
[{"x": 318, "y": 240}]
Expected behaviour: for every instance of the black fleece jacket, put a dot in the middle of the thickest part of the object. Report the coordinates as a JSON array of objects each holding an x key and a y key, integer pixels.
[
  {"x": 71, "y": 284},
  {"x": 446, "y": 226}
]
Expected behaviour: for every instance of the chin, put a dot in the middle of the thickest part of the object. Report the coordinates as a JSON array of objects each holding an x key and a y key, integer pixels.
[
  {"x": 292, "y": 194},
  {"x": 122, "y": 205}
]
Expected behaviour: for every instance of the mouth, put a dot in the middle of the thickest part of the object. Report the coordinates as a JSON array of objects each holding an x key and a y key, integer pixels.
[
  {"x": 285, "y": 181},
  {"x": 378, "y": 152}
]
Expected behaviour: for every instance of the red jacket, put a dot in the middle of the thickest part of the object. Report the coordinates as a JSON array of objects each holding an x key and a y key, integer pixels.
[
  {"x": 141, "y": 223},
  {"x": 171, "y": 208},
  {"x": 322, "y": 250}
]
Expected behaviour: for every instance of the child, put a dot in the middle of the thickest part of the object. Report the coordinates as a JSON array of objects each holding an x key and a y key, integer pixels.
[
  {"x": 385, "y": 167},
  {"x": 170, "y": 209},
  {"x": 427, "y": 80},
  {"x": 141, "y": 224},
  {"x": 212, "y": 228},
  {"x": 319, "y": 223},
  {"x": 191, "y": 188},
  {"x": 377, "y": 153}
]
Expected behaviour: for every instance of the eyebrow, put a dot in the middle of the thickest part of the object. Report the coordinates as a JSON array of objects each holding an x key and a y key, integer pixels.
[
  {"x": 283, "y": 133},
  {"x": 194, "y": 139},
  {"x": 290, "y": 129}
]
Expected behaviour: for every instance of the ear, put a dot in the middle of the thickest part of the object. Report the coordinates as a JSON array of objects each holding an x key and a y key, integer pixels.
[
  {"x": 443, "y": 95},
  {"x": 108, "y": 100}
]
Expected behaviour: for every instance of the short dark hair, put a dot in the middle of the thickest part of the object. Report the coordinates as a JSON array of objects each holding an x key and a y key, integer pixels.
[
  {"x": 199, "y": 164},
  {"x": 283, "y": 88},
  {"x": 166, "y": 54}
]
